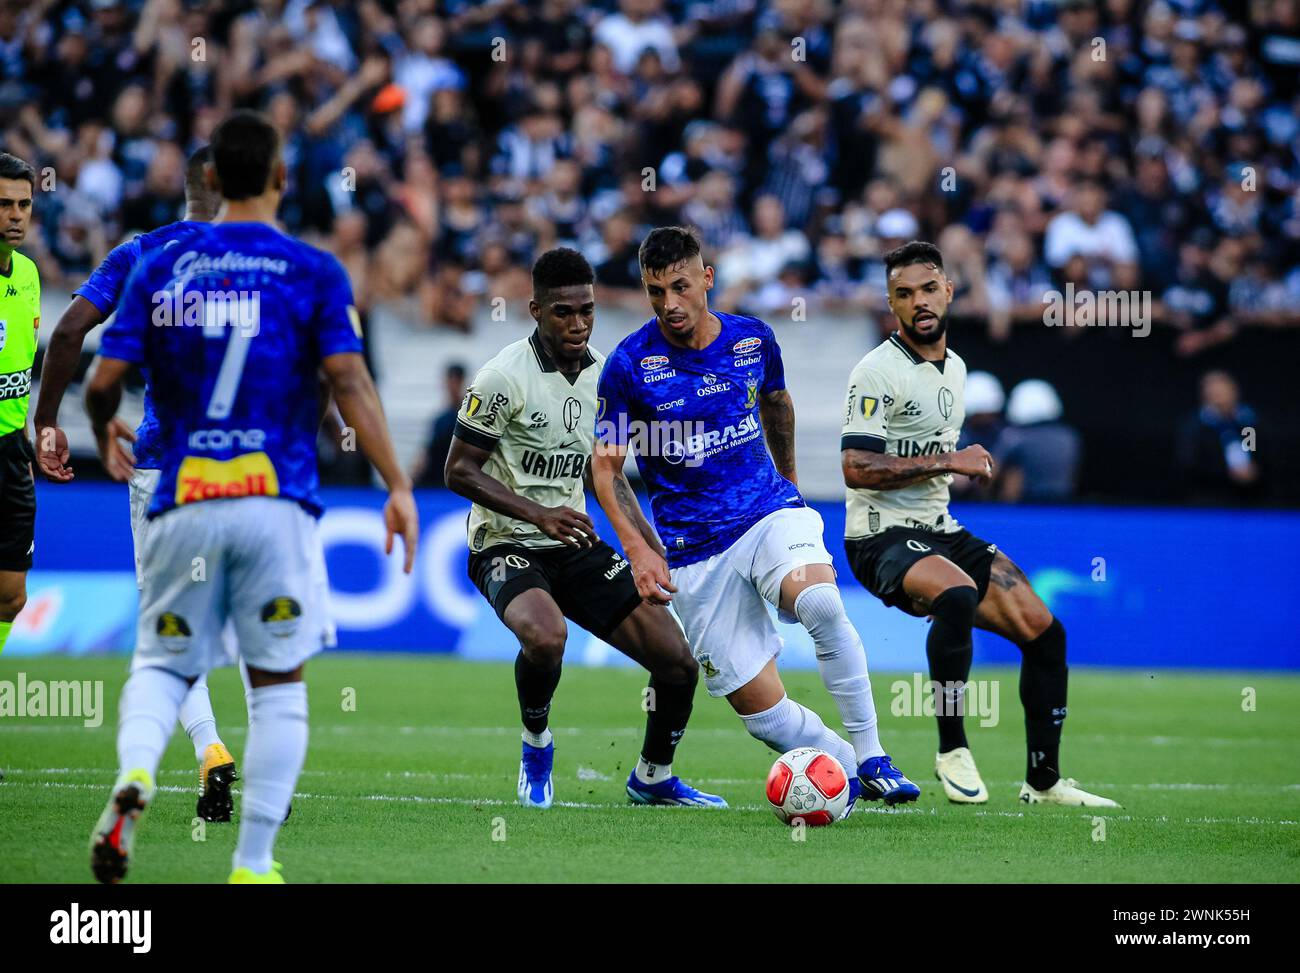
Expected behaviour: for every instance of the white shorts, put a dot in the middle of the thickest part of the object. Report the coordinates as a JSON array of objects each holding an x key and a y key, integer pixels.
[
  {"x": 722, "y": 601},
  {"x": 144, "y": 483},
  {"x": 257, "y": 571}
]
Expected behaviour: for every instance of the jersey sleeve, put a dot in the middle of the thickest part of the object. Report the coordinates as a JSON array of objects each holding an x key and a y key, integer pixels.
[
  {"x": 338, "y": 324},
  {"x": 489, "y": 404},
  {"x": 867, "y": 409},
  {"x": 124, "y": 338},
  {"x": 613, "y": 409},
  {"x": 773, "y": 367},
  {"x": 104, "y": 287}
]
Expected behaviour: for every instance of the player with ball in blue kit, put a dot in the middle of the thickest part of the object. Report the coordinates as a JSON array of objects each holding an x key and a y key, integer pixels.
[{"x": 700, "y": 397}]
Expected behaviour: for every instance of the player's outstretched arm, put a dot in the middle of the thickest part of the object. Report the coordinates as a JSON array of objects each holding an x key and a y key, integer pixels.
[
  {"x": 103, "y": 395},
  {"x": 776, "y": 411},
  {"x": 358, "y": 403},
  {"x": 61, "y": 358},
  {"x": 868, "y": 470},
  {"x": 640, "y": 544},
  {"x": 464, "y": 475}
]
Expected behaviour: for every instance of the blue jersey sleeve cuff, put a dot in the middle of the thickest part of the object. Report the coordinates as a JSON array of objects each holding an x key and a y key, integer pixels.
[{"x": 102, "y": 301}]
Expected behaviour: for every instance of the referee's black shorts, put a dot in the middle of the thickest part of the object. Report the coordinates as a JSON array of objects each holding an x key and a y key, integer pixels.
[{"x": 17, "y": 502}]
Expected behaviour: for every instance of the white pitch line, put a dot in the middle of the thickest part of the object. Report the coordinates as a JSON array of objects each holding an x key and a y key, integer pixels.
[
  {"x": 723, "y": 781},
  {"x": 583, "y": 805}
]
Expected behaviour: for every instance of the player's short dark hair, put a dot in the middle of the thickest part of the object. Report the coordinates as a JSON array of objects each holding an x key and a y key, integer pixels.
[
  {"x": 667, "y": 246},
  {"x": 244, "y": 148},
  {"x": 915, "y": 252},
  {"x": 12, "y": 167},
  {"x": 561, "y": 267}
]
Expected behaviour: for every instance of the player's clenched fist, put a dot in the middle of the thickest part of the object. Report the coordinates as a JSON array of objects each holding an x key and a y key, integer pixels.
[
  {"x": 650, "y": 572},
  {"x": 972, "y": 461},
  {"x": 401, "y": 517},
  {"x": 568, "y": 525}
]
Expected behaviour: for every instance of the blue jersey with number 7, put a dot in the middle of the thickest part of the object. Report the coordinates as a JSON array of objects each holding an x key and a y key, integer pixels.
[{"x": 230, "y": 327}]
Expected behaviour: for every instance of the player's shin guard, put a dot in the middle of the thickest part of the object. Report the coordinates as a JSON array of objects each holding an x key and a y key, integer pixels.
[
  {"x": 535, "y": 686},
  {"x": 197, "y": 719},
  {"x": 273, "y": 758},
  {"x": 788, "y": 725},
  {"x": 842, "y": 660},
  {"x": 151, "y": 700},
  {"x": 1043, "y": 680},
  {"x": 668, "y": 709},
  {"x": 948, "y": 648}
]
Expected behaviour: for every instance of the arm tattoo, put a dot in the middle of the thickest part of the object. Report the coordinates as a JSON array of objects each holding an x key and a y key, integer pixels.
[
  {"x": 882, "y": 471},
  {"x": 777, "y": 414},
  {"x": 631, "y": 508}
]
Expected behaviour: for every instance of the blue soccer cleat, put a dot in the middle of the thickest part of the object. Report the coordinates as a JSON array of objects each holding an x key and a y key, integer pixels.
[
  {"x": 880, "y": 778},
  {"x": 674, "y": 790},
  {"x": 535, "y": 789},
  {"x": 855, "y": 791}
]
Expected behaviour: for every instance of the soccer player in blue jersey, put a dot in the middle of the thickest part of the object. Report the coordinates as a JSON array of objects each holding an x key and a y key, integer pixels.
[
  {"x": 232, "y": 327},
  {"x": 695, "y": 394},
  {"x": 92, "y": 303}
]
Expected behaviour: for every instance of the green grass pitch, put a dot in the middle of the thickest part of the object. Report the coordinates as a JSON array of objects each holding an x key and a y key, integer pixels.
[{"x": 416, "y": 784}]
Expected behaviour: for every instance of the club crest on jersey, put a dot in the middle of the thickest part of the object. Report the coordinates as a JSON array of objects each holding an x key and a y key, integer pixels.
[
  {"x": 869, "y": 406},
  {"x": 572, "y": 413},
  {"x": 751, "y": 395},
  {"x": 945, "y": 402},
  {"x": 652, "y": 363},
  {"x": 201, "y": 478}
]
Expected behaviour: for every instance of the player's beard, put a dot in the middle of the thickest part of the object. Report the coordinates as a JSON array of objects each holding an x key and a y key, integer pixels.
[{"x": 929, "y": 338}]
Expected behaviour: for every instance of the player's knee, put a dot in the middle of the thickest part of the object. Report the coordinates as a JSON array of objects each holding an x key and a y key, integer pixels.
[
  {"x": 957, "y": 606},
  {"x": 543, "y": 645},
  {"x": 1047, "y": 647},
  {"x": 11, "y": 603},
  {"x": 820, "y": 610},
  {"x": 680, "y": 669},
  {"x": 1033, "y": 623}
]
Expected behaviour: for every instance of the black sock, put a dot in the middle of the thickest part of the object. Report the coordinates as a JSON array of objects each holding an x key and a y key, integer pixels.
[
  {"x": 535, "y": 687},
  {"x": 666, "y": 721},
  {"x": 1043, "y": 680},
  {"x": 948, "y": 647}
]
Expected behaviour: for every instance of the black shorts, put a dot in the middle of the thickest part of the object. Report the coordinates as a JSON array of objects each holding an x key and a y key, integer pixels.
[
  {"x": 880, "y": 562},
  {"x": 17, "y": 502},
  {"x": 593, "y": 586}
]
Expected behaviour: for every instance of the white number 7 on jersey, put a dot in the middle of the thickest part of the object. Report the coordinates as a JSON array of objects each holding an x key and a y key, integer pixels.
[{"x": 232, "y": 364}]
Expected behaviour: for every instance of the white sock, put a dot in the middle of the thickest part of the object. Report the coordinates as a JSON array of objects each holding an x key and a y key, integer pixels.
[
  {"x": 842, "y": 660},
  {"x": 273, "y": 758},
  {"x": 648, "y": 773},
  {"x": 542, "y": 739},
  {"x": 788, "y": 725},
  {"x": 147, "y": 712},
  {"x": 197, "y": 719}
]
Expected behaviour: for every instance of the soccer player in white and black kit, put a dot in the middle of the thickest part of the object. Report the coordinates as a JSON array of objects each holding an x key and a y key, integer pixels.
[
  {"x": 902, "y": 420},
  {"x": 522, "y": 452}
]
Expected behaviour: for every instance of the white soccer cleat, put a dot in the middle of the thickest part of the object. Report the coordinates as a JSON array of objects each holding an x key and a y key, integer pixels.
[
  {"x": 961, "y": 780},
  {"x": 1065, "y": 791}
]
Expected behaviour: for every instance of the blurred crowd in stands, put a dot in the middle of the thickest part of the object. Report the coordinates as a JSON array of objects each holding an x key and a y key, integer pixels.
[{"x": 436, "y": 146}]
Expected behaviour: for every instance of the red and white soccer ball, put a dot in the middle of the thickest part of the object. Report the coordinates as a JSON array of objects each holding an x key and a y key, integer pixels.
[{"x": 808, "y": 785}]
